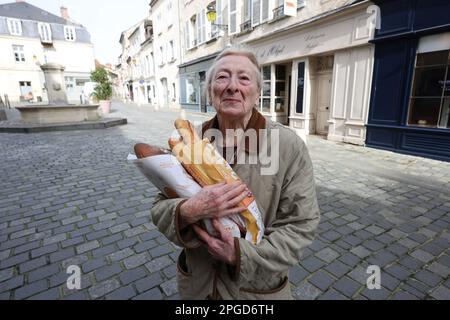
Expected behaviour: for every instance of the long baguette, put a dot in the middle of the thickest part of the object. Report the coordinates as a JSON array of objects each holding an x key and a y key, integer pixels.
[{"x": 208, "y": 167}]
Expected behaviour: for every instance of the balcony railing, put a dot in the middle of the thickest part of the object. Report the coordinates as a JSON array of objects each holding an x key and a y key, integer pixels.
[
  {"x": 246, "y": 26},
  {"x": 278, "y": 12}
]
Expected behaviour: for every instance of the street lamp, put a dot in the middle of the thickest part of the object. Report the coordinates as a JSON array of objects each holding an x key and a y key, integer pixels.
[{"x": 211, "y": 14}]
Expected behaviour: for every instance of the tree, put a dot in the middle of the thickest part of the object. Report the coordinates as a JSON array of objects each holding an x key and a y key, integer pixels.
[{"x": 103, "y": 89}]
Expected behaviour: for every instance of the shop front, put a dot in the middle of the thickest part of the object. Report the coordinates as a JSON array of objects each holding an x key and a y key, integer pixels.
[
  {"x": 192, "y": 84},
  {"x": 317, "y": 76},
  {"x": 410, "y": 102}
]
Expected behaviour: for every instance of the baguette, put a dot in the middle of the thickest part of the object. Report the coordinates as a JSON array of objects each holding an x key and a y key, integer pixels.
[
  {"x": 203, "y": 162},
  {"x": 144, "y": 150}
]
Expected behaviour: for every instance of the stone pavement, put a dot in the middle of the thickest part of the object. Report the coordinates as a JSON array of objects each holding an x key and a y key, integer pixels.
[{"x": 71, "y": 198}]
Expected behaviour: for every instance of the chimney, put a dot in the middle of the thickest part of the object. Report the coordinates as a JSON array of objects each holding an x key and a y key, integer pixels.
[{"x": 65, "y": 13}]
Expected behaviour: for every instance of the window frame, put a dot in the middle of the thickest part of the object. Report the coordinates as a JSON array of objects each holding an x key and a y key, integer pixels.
[
  {"x": 70, "y": 31},
  {"x": 442, "y": 98},
  {"x": 13, "y": 26},
  {"x": 45, "y": 29},
  {"x": 19, "y": 50}
]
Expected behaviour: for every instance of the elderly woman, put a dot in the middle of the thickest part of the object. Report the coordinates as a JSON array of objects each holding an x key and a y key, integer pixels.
[{"x": 223, "y": 267}]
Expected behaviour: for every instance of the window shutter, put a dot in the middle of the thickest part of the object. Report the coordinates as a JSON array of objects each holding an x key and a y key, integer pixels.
[
  {"x": 199, "y": 30},
  {"x": 232, "y": 16},
  {"x": 186, "y": 34},
  {"x": 256, "y": 12},
  {"x": 265, "y": 10},
  {"x": 203, "y": 15}
]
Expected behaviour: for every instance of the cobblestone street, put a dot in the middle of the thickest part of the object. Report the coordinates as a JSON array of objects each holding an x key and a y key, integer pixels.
[{"x": 71, "y": 198}]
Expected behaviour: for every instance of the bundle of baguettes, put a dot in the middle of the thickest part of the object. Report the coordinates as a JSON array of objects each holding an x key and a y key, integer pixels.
[{"x": 205, "y": 164}]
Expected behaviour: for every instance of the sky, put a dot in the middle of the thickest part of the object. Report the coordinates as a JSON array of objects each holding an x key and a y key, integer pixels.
[{"x": 104, "y": 19}]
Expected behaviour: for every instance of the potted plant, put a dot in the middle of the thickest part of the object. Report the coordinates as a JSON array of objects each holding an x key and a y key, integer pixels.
[{"x": 103, "y": 89}]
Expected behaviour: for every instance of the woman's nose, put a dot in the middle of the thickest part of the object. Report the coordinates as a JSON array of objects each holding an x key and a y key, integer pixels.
[{"x": 233, "y": 84}]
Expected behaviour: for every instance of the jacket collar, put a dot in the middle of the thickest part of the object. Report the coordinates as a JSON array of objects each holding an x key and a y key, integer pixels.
[{"x": 256, "y": 122}]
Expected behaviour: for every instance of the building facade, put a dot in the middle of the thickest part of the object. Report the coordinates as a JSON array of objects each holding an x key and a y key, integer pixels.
[
  {"x": 316, "y": 61},
  {"x": 30, "y": 37},
  {"x": 410, "y": 104},
  {"x": 165, "y": 16}
]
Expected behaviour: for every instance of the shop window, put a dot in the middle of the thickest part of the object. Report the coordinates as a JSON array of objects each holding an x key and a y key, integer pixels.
[
  {"x": 266, "y": 91},
  {"x": 430, "y": 97},
  {"x": 280, "y": 88},
  {"x": 189, "y": 90},
  {"x": 300, "y": 87}
]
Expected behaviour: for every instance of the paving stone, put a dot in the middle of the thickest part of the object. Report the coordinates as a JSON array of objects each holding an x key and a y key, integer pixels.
[
  {"x": 62, "y": 255},
  {"x": 120, "y": 255},
  {"x": 422, "y": 255},
  {"x": 136, "y": 260},
  {"x": 32, "y": 264},
  {"x": 29, "y": 290},
  {"x": 350, "y": 259},
  {"x": 441, "y": 293},
  {"x": 11, "y": 283},
  {"x": 124, "y": 293},
  {"x": 158, "y": 264},
  {"x": 107, "y": 272},
  {"x": 52, "y": 294},
  {"x": 382, "y": 258},
  {"x": 170, "y": 287},
  {"x": 88, "y": 246},
  {"x": 132, "y": 275},
  {"x": 26, "y": 247},
  {"x": 375, "y": 294},
  {"x": 361, "y": 252},
  {"x": 161, "y": 250},
  {"x": 312, "y": 264},
  {"x": 170, "y": 272},
  {"x": 149, "y": 282},
  {"x": 411, "y": 263},
  {"x": 428, "y": 278},
  {"x": 337, "y": 269},
  {"x": 126, "y": 243},
  {"x": 111, "y": 239},
  {"x": 321, "y": 280},
  {"x": 141, "y": 247},
  {"x": 153, "y": 294},
  {"x": 398, "y": 271},
  {"x": 403, "y": 295},
  {"x": 93, "y": 264},
  {"x": 14, "y": 260},
  {"x": 104, "y": 251},
  {"x": 103, "y": 288},
  {"x": 346, "y": 286},
  {"x": 44, "y": 272},
  {"x": 439, "y": 270},
  {"x": 6, "y": 274},
  {"x": 297, "y": 274},
  {"x": 306, "y": 291},
  {"x": 332, "y": 294},
  {"x": 328, "y": 255}
]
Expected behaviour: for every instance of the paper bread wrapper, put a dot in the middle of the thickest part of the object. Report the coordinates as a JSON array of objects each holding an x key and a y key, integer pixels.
[
  {"x": 207, "y": 166},
  {"x": 169, "y": 176}
]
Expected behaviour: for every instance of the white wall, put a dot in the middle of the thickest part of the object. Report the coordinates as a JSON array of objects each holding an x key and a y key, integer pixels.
[{"x": 78, "y": 58}]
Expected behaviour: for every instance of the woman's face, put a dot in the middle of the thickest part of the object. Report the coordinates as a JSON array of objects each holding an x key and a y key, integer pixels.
[{"x": 234, "y": 87}]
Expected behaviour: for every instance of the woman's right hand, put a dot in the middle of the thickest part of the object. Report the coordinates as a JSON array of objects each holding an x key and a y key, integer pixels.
[{"x": 214, "y": 201}]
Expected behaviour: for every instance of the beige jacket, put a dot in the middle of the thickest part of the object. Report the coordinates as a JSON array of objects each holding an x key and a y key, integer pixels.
[{"x": 288, "y": 204}]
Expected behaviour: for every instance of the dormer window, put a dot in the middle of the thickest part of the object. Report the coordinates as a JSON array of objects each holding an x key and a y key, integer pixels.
[
  {"x": 14, "y": 27},
  {"x": 45, "y": 32},
  {"x": 69, "y": 33}
]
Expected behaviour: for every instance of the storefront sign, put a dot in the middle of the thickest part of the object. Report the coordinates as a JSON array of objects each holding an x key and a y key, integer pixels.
[{"x": 290, "y": 8}]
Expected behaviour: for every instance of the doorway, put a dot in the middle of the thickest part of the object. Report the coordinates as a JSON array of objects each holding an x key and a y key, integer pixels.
[{"x": 324, "y": 83}]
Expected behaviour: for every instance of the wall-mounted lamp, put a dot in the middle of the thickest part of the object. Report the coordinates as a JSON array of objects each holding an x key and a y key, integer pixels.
[{"x": 211, "y": 14}]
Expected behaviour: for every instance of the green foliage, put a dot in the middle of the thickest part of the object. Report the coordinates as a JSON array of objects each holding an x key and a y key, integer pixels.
[{"x": 103, "y": 89}]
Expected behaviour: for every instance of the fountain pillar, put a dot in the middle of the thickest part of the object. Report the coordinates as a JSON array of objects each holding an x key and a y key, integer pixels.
[{"x": 55, "y": 84}]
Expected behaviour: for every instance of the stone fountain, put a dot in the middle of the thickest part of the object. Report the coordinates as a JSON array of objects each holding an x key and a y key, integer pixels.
[{"x": 58, "y": 110}]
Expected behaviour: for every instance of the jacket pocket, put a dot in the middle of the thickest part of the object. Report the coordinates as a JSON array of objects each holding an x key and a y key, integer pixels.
[
  {"x": 182, "y": 265},
  {"x": 282, "y": 292}
]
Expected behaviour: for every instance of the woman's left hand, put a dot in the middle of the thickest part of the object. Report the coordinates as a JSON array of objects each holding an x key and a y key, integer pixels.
[{"x": 220, "y": 248}]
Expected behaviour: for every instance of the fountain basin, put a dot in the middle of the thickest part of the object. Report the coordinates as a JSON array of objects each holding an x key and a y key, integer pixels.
[{"x": 49, "y": 114}]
